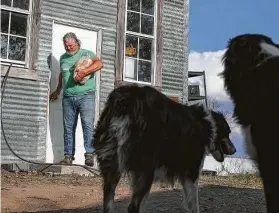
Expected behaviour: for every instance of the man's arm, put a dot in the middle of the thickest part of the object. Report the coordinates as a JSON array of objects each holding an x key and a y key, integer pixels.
[
  {"x": 59, "y": 86},
  {"x": 97, "y": 64},
  {"x": 56, "y": 93}
]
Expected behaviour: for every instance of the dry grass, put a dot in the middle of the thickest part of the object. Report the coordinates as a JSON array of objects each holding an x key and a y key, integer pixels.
[{"x": 239, "y": 181}]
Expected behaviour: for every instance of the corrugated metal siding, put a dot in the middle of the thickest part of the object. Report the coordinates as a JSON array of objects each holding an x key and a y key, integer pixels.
[
  {"x": 175, "y": 38},
  {"x": 25, "y": 104},
  {"x": 92, "y": 15},
  {"x": 24, "y": 119}
]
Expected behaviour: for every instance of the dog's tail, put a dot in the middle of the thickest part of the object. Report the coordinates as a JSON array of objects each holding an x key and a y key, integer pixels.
[{"x": 124, "y": 115}]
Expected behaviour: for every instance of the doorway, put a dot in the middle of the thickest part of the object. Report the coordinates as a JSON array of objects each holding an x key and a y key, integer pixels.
[{"x": 55, "y": 143}]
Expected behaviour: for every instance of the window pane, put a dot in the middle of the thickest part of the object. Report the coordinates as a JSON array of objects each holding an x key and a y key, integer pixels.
[
  {"x": 17, "y": 48},
  {"x": 131, "y": 46},
  {"x": 18, "y": 24},
  {"x": 133, "y": 22},
  {"x": 147, "y": 7},
  {"x": 22, "y": 4},
  {"x": 6, "y": 2},
  {"x": 147, "y": 24},
  {"x": 131, "y": 68},
  {"x": 4, "y": 43},
  {"x": 144, "y": 71},
  {"x": 134, "y": 5},
  {"x": 145, "y": 47},
  {"x": 4, "y": 21}
]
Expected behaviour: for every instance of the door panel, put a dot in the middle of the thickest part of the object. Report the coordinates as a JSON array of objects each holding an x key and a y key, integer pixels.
[{"x": 55, "y": 142}]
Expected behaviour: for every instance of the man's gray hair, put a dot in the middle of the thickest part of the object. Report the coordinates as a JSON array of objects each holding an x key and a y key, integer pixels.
[{"x": 73, "y": 36}]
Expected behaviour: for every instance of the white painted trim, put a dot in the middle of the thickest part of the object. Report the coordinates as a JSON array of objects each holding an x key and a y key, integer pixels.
[
  {"x": 49, "y": 158},
  {"x": 98, "y": 77},
  {"x": 27, "y": 37},
  {"x": 155, "y": 42},
  {"x": 134, "y": 81},
  {"x": 16, "y": 10},
  {"x": 139, "y": 59},
  {"x": 139, "y": 34},
  {"x": 97, "y": 80},
  {"x": 124, "y": 40},
  {"x": 146, "y": 14},
  {"x": 15, "y": 62},
  {"x": 18, "y": 36},
  {"x": 154, "y": 45},
  {"x": 8, "y": 42}
]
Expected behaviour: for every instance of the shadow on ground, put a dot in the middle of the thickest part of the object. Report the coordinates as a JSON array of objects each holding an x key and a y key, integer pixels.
[{"x": 213, "y": 199}]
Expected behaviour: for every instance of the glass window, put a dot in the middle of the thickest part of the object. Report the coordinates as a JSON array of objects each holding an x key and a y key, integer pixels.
[
  {"x": 140, "y": 41},
  {"x": 14, "y": 30}
]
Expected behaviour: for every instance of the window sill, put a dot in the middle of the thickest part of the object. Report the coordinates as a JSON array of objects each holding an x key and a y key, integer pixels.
[{"x": 18, "y": 72}]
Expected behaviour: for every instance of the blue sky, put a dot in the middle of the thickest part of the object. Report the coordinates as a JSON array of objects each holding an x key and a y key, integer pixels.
[{"x": 212, "y": 23}]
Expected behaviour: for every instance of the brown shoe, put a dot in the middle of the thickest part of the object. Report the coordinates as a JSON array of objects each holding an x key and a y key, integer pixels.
[
  {"x": 89, "y": 159},
  {"x": 68, "y": 159}
]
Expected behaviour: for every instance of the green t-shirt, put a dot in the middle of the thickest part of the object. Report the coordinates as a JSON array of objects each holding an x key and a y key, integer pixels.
[{"x": 67, "y": 66}]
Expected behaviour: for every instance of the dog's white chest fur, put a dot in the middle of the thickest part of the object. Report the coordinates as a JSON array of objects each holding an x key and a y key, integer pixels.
[
  {"x": 250, "y": 148},
  {"x": 269, "y": 49}
]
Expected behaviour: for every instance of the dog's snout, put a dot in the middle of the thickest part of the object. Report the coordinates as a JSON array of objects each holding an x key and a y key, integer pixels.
[
  {"x": 228, "y": 147},
  {"x": 233, "y": 150}
]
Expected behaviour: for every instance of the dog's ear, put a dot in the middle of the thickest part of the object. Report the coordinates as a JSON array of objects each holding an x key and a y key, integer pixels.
[
  {"x": 227, "y": 147},
  {"x": 218, "y": 155}
]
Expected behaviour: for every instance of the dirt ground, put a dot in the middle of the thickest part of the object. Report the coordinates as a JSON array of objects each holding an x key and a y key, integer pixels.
[{"x": 31, "y": 192}]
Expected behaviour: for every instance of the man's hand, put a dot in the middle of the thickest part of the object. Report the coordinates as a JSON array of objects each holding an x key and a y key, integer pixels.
[
  {"x": 54, "y": 95},
  {"x": 79, "y": 75}
]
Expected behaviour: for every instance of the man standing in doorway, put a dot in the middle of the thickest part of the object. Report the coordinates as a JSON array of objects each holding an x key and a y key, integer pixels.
[{"x": 78, "y": 98}]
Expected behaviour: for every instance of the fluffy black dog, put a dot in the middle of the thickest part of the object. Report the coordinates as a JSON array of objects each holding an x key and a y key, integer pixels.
[
  {"x": 251, "y": 76},
  {"x": 142, "y": 131}
]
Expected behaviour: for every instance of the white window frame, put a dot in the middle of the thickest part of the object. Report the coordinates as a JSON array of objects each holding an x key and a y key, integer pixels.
[
  {"x": 154, "y": 45},
  {"x": 17, "y": 63}
]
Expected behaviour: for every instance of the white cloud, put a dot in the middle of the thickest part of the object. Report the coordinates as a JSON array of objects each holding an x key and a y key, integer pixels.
[
  {"x": 233, "y": 125},
  {"x": 211, "y": 63}
]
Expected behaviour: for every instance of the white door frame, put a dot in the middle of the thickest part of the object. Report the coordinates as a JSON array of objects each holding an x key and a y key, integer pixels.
[{"x": 97, "y": 77}]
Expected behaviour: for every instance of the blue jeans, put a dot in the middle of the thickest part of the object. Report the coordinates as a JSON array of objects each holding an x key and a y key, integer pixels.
[{"x": 72, "y": 107}]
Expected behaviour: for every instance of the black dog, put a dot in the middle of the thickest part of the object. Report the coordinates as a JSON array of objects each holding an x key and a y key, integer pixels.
[
  {"x": 142, "y": 131},
  {"x": 251, "y": 76}
]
